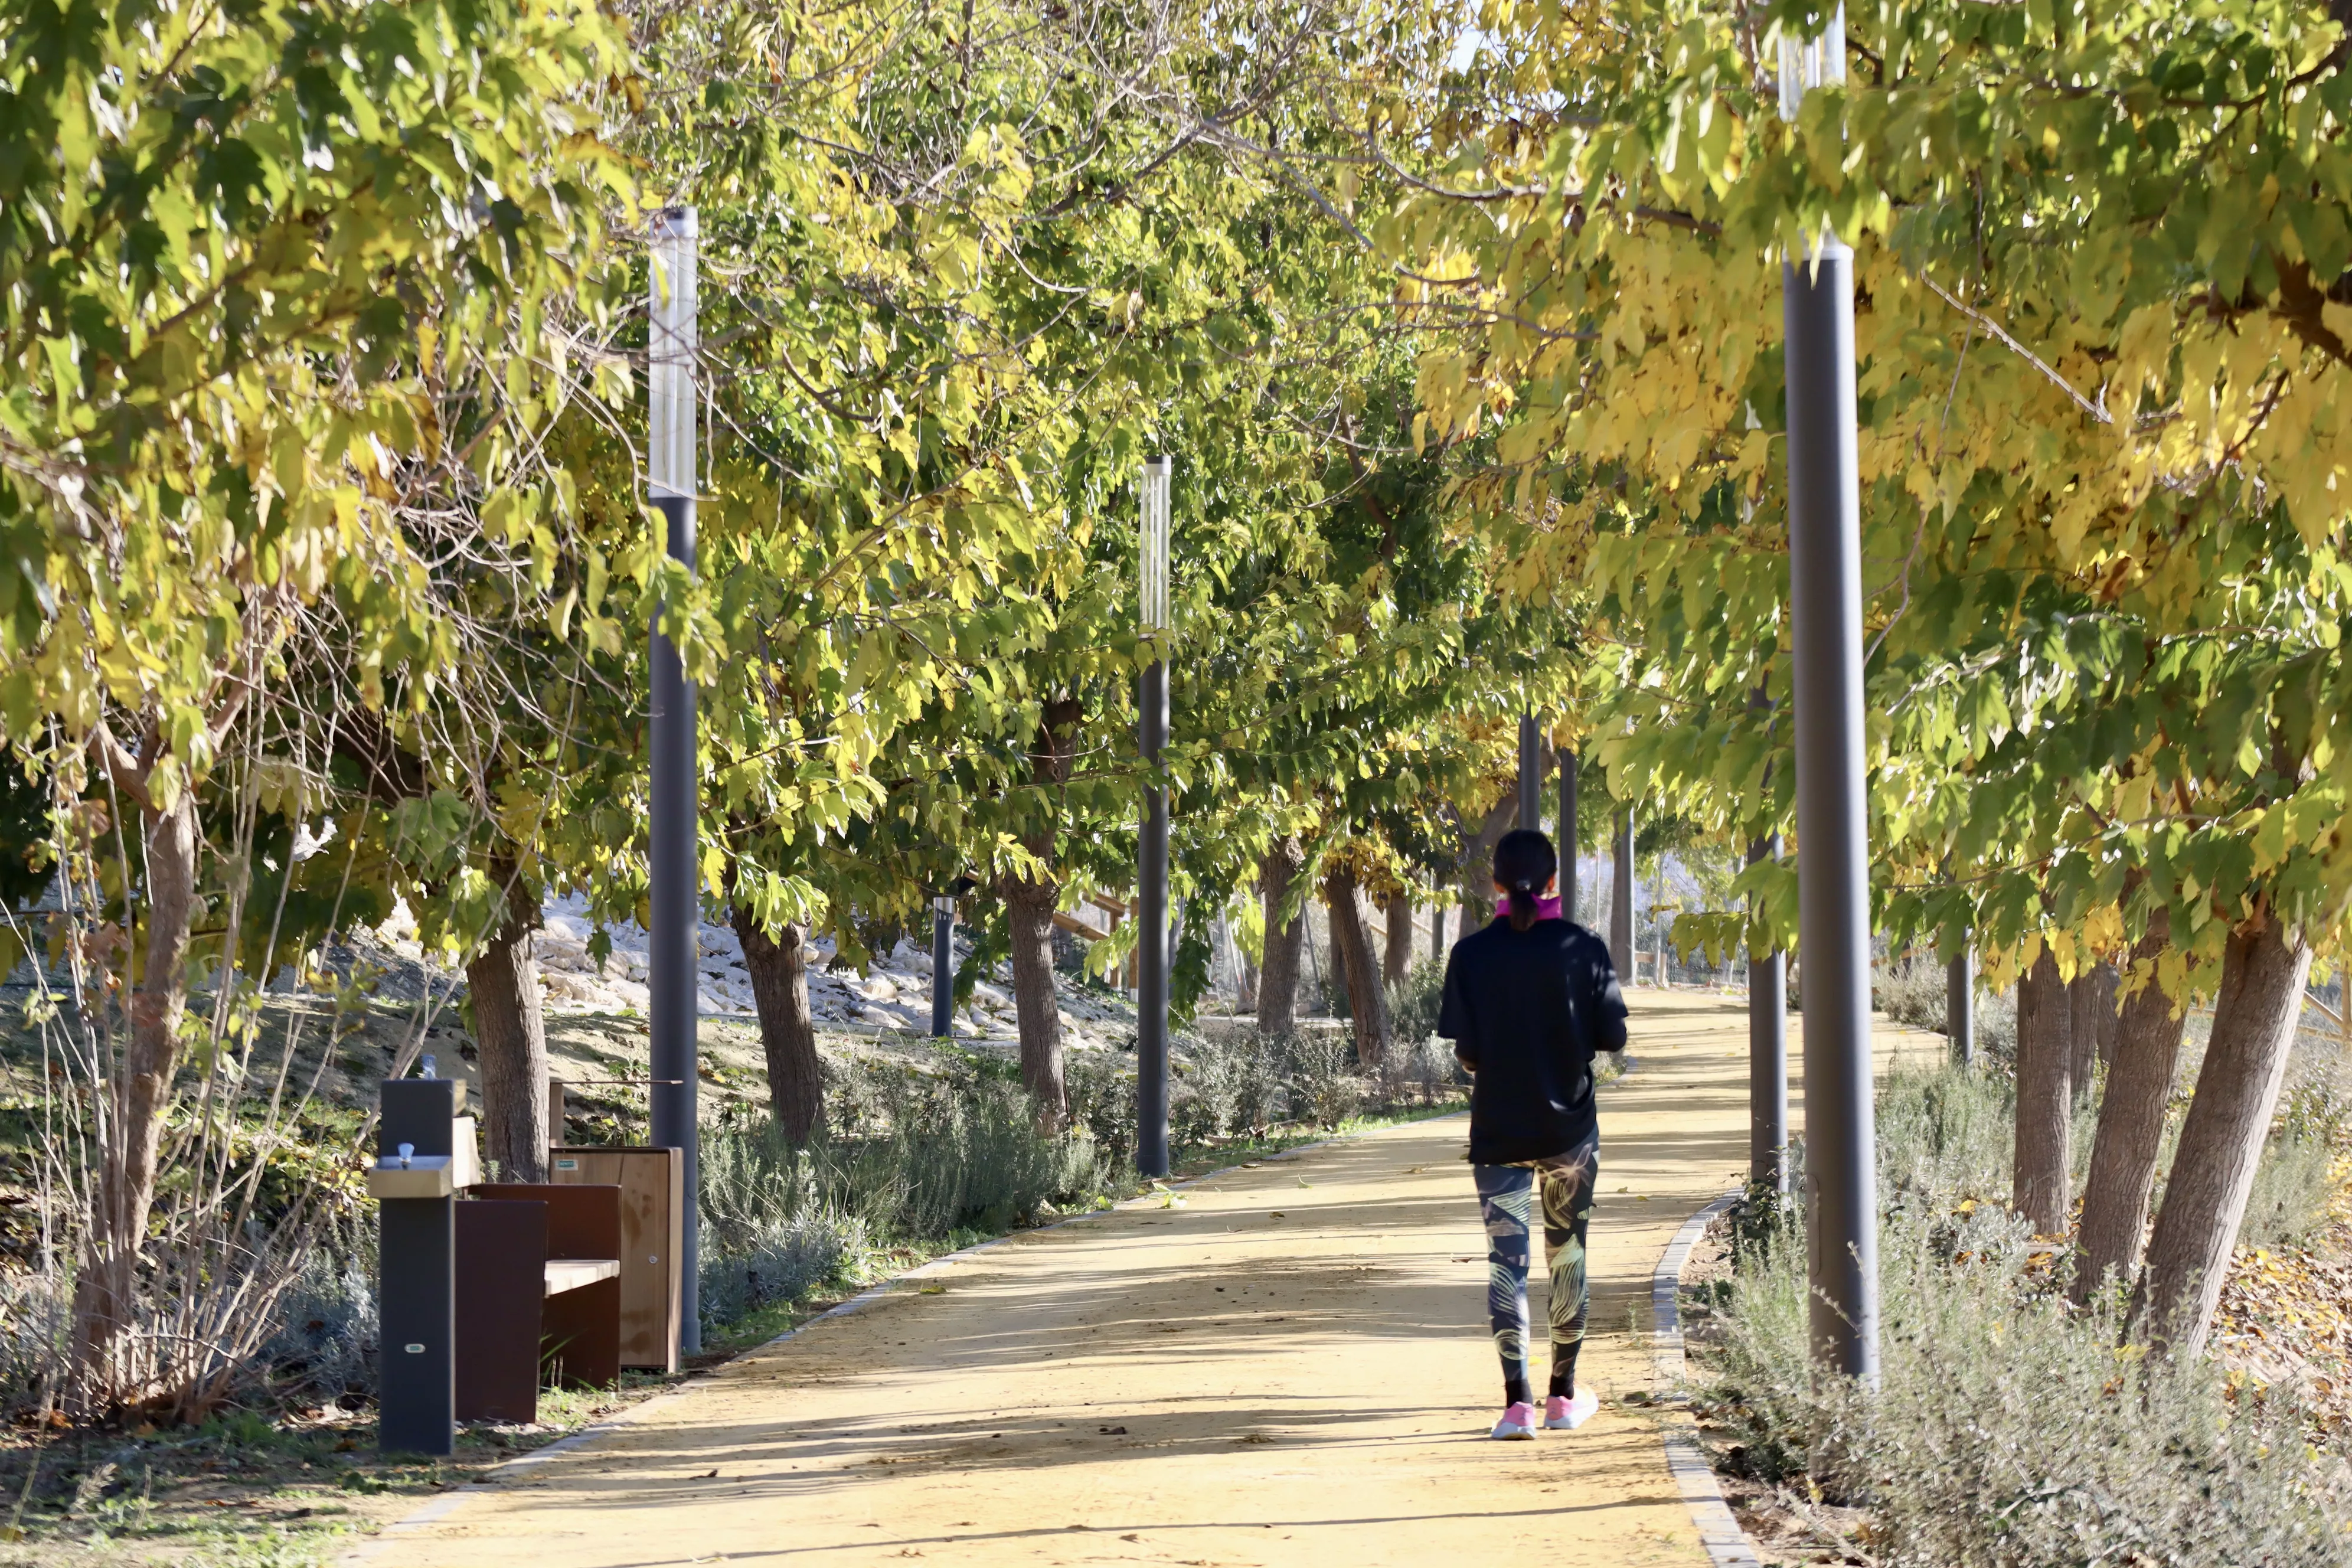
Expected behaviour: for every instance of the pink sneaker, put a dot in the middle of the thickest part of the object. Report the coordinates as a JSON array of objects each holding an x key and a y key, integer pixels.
[
  {"x": 1519, "y": 1423},
  {"x": 1568, "y": 1415}
]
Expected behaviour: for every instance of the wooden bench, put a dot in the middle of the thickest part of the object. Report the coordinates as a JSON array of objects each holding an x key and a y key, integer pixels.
[{"x": 538, "y": 1286}]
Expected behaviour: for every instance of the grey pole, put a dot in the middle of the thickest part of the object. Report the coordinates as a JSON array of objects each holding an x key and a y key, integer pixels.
[
  {"x": 1437, "y": 933},
  {"x": 1960, "y": 1008},
  {"x": 1567, "y": 831},
  {"x": 1768, "y": 1053},
  {"x": 672, "y": 977},
  {"x": 1768, "y": 1033},
  {"x": 1832, "y": 877},
  {"x": 1151, "y": 939},
  {"x": 1621, "y": 902},
  {"x": 943, "y": 913},
  {"x": 1530, "y": 779}
]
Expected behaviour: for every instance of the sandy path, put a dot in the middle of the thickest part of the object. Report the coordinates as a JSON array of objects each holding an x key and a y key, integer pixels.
[{"x": 1291, "y": 1367}]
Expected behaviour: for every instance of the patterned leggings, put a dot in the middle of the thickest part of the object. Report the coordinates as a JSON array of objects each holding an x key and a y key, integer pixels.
[{"x": 1506, "y": 1202}]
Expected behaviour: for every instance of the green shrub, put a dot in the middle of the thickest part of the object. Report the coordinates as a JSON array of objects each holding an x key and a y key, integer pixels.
[
  {"x": 1413, "y": 1002},
  {"x": 2292, "y": 1189},
  {"x": 781, "y": 1259},
  {"x": 1101, "y": 1089},
  {"x": 2008, "y": 1428},
  {"x": 1232, "y": 1085},
  {"x": 927, "y": 1155}
]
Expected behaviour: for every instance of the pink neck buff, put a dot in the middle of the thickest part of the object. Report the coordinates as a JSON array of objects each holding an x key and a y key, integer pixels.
[{"x": 1546, "y": 908}]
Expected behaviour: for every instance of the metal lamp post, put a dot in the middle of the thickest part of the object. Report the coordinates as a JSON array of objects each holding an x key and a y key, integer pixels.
[
  {"x": 1567, "y": 831},
  {"x": 944, "y": 914},
  {"x": 1768, "y": 1034},
  {"x": 1768, "y": 1053},
  {"x": 672, "y": 979},
  {"x": 1620, "y": 897},
  {"x": 1152, "y": 935},
  {"x": 1960, "y": 1008},
  {"x": 1833, "y": 902},
  {"x": 1530, "y": 775}
]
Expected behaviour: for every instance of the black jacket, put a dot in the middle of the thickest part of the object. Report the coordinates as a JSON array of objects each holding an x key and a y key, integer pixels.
[{"x": 1527, "y": 1011}]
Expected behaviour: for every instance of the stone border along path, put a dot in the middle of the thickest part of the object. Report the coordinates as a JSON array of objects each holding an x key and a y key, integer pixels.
[
  {"x": 1726, "y": 1545},
  {"x": 1281, "y": 1363}
]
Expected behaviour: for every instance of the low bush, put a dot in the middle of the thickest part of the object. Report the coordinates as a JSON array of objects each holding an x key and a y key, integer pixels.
[
  {"x": 2008, "y": 1428},
  {"x": 1247, "y": 1085},
  {"x": 1413, "y": 1002},
  {"x": 781, "y": 1259},
  {"x": 2293, "y": 1188},
  {"x": 1910, "y": 990},
  {"x": 325, "y": 1347},
  {"x": 1913, "y": 990},
  {"x": 1230, "y": 1086}
]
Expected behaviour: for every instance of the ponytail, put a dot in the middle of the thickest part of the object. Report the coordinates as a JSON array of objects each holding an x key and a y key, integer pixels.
[{"x": 1524, "y": 863}]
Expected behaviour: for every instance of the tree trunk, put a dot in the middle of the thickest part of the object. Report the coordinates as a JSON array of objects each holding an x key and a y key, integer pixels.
[
  {"x": 1029, "y": 907},
  {"x": 779, "y": 970},
  {"x": 1621, "y": 900},
  {"x": 1478, "y": 862},
  {"x": 2131, "y": 1128},
  {"x": 2082, "y": 1032},
  {"x": 1396, "y": 958},
  {"x": 1029, "y": 904},
  {"x": 2108, "y": 982},
  {"x": 511, "y": 1038},
  {"x": 1277, "y": 977},
  {"x": 106, "y": 1293},
  {"x": 1352, "y": 947},
  {"x": 2043, "y": 1099},
  {"x": 2262, "y": 974}
]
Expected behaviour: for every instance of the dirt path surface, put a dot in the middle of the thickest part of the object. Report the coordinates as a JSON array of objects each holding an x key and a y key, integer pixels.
[{"x": 1291, "y": 1366}]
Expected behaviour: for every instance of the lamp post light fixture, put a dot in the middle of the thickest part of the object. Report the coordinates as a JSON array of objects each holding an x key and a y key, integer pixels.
[
  {"x": 672, "y": 978},
  {"x": 1832, "y": 877},
  {"x": 1151, "y": 873}
]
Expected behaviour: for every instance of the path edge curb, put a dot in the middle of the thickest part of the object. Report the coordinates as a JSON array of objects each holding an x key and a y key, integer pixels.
[
  {"x": 1727, "y": 1545},
  {"x": 497, "y": 1477}
]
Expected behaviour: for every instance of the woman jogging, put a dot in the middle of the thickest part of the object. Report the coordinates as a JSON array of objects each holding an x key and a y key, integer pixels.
[{"x": 1529, "y": 1000}]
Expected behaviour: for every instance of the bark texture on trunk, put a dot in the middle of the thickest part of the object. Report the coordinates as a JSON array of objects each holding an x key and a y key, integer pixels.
[
  {"x": 2262, "y": 973},
  {"x": 2082, "y": 1032},
  {"x": 2131, "y": 1130},
  {"x": 1277, "y": 976},
  {"x": 106, "y": 1290},
  {"x": 2106, "y": 982},
  {"x": 2045, "y": 1100},
  {"x": 1478, "y": 862},
  {"x": 779, "y": 969},
  {"x": 1396, "y": 957},
  {"x": 1351, "y": 948},
  {"x": 1029, "y": 905},
  {"x": 511, "y": 1038}
]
